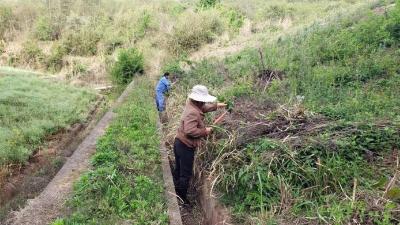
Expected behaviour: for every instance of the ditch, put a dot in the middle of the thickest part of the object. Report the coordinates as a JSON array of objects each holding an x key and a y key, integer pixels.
[{"x": 28, "y": 181}]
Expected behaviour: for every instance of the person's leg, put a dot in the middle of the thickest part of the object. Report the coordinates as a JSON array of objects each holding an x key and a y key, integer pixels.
[
  {"x": 157, "y": 104},
  {"x": 177, "y": 163},
  {"x": 186, "y": 158},
  {"x": 161, "y": 106}
]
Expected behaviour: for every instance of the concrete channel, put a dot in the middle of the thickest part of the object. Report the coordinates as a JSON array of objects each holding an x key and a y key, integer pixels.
[{"x": 49, "y": 205}]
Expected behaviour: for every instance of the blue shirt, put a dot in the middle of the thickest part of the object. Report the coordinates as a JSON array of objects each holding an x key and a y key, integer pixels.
[{"x": 163, "y": 85}]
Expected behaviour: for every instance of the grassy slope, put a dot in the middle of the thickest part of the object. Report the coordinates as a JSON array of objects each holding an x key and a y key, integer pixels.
[
  {"x": 31, "y": 108},
  {"x": 125, "y": 184},
  {"x": 348, "y": 73}
]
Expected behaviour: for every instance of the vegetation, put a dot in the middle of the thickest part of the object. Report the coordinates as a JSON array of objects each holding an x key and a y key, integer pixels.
[
  {"x": 129, "y": 63},
  {"x": 320, "y": 142},
  {"x": 125, "y": 184},
  {"x": 25, "y": 122},
  {"x": 194, "y": 30},
  {"x": 5, "y": 20},
  {"x": 314, "y": 132}
]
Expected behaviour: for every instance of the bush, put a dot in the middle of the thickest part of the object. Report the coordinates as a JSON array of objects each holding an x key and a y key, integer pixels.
[
  {"x": 205, "y": 4},
  {"x": 194, "y": 30},
  {"x": 143, "y": 24},
  {"x": 2, "y": 46},
  {"x": 54, "y": 62},
  {"x": 174, "y": 68},
  {"x": 45, "y": 29},
  {"x": 31, "y": 54},
  {"x": 83, "y": 42},
  {"x": 130, "y": 62},
  {"x": 6, "y": 17},
  {"x": 233, "y": 17},
  {"x": 277, "y": 12}
]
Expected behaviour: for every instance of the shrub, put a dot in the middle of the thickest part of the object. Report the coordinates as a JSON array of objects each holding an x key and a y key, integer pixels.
[
  {"x": 130, "y": 62},
  {"x": 54, "y": 61},
  {"x": 278, "y": 12},
  {"x": 83, "y": 42},
  {"x": 394, "y": 23},
  {"x": 31, "y": 54},
  {"x": 111, "y": 42},
  {"x": 2, "y": 46},
  {"x": 6, "y": 17},
  {"x": 45, "y": 29},
  {"x": 205, "y": 4},
  {"x": 143, "y": 24},
  {"x": 233, "y": 17},
  {"x": 194, "y": 30},
  {"x": 174, "y": 68}
]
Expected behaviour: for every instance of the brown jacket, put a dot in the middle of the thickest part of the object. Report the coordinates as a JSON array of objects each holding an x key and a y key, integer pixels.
[{"x": 192, "y": 127}]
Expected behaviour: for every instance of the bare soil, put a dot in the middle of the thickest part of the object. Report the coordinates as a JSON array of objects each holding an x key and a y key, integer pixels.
[
  {"x": 254, "y": 118},
  {"x": 25, "y": 182}
]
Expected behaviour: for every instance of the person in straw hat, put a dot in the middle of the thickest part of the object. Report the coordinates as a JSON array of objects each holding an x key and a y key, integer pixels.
[{"x": 189, "y": 134}]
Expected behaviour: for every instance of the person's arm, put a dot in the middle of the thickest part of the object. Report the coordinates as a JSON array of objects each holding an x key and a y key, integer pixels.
[
  {"x": 167, "y": 84},
  {"x": 209, "y": 107},
  {"x": 190, "y": 127},
  {"x": 212, "y": 107}
]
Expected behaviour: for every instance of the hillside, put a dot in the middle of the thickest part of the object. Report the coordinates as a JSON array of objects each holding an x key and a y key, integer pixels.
[{"x": 314, "y": 133}]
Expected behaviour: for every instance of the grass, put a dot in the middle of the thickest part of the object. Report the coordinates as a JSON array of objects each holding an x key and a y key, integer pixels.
[
  {"x": 32, "y": 108},
  {"x": 342, "y": 75},
  {"x": 125, "y": 183}
]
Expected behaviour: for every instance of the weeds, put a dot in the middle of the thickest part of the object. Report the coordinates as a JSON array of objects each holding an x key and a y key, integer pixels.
[
  {"x": 324, "y": 150},
  {"x": 125, "y": 184}
]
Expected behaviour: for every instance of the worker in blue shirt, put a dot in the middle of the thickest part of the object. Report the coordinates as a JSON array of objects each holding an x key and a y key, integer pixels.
[{"x": 163, "y": 86}]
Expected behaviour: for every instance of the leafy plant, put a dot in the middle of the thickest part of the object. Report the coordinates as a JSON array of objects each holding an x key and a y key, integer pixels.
[
  {"x": 45, "y": 29},
  {"x": 205, "y": 4},
  {"x": 31, "y": 54},
  {"x": 129, "y": 63}
]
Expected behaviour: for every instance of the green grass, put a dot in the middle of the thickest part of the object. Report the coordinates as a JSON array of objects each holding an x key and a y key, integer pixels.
[
  {"x": 125, "y": 184},
  {"x": 348, "y": 72},
  {"x": 32, "y": 108}
]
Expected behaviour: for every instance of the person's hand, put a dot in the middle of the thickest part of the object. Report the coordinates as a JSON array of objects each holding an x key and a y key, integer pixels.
[
  {"x": 209, "y": 130},
  {"x": 221, "y": 105}
]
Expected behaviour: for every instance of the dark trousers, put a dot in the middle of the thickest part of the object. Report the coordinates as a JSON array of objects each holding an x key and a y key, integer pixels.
[{"x": 184, "y": 157}]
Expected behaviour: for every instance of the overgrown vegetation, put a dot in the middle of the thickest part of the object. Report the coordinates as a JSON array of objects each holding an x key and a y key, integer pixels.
[
  {"x": 95, "y": 31},
  {"x": 125, "y": 184},
  {"x": 194, "y": 30},
  {"x": 314, "y": 134},
  {"x": 129, "y": 63},
  {"x": 24, "y": 120}
]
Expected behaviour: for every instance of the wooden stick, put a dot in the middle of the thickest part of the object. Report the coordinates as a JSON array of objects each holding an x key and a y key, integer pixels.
[{"x": 220, "y": 118}]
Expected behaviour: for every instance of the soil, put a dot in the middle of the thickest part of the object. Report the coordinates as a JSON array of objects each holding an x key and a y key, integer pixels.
[
  {"x": 193, "y": 215},
  {"x": 50, "y": 203},
  {"x": 253, "y": 118}
]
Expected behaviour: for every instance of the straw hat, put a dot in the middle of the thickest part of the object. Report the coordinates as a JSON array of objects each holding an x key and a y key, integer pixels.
[{"x": 200, "y": 94}]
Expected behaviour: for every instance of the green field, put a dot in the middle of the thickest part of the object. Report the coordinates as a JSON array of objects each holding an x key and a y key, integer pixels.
[{"x": 32, "y": 108}]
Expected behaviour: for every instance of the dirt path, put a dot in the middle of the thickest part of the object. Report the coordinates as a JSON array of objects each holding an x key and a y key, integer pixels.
[{"x": 50, "y": 203}]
